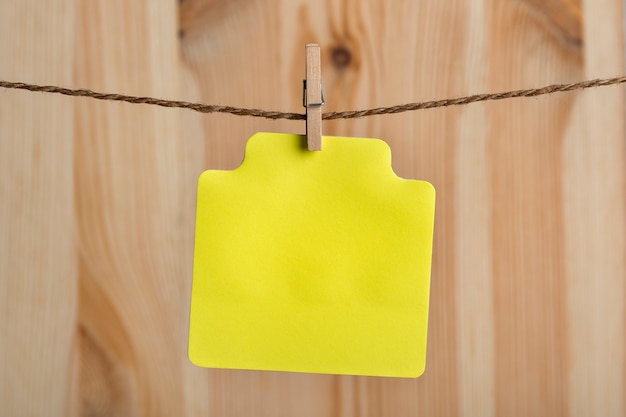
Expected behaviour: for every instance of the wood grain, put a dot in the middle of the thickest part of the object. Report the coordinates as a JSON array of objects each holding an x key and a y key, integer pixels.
[
  {"x": 38, "y": 253},
  {"x": 129, "y": 215},
  {"x": 594, "y": 193},
  {"x": 97, "y": 199}
]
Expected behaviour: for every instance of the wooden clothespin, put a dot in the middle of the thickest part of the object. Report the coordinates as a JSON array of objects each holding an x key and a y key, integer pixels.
[{"x": 313, "y": 97}]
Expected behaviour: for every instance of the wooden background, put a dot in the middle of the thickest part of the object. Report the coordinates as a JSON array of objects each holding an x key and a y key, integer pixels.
[{"x": 97, "y": 199}]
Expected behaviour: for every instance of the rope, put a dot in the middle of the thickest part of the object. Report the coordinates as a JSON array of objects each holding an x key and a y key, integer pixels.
[{"x": 239, "y": 111}]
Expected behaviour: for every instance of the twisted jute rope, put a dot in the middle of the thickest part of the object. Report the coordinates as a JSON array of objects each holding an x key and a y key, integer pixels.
[{"x": 239, "y": 111}]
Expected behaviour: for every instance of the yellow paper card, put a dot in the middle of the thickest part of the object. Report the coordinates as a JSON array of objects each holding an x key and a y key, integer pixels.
[{"x": 312, "y": 261}]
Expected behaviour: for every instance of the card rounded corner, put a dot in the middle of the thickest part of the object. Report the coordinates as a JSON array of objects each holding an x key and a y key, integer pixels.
[{"x": 195, "y": 359}]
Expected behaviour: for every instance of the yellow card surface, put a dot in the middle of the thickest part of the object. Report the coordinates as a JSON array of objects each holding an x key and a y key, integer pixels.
[{"x": 312, "y": 261}]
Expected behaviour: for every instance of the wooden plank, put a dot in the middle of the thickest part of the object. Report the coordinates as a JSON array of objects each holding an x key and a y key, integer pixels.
[
  {"x": 133, "y": 223},
  {"x": 38, "y": 273},
  {"x": 525, "y": 156},
  {"x": 595, "y": 203}
]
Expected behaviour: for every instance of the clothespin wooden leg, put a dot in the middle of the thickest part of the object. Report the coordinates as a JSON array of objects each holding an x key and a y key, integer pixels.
[{"x": 313, "y": 98}]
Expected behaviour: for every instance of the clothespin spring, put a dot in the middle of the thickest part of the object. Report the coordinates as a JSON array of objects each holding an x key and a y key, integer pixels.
[{"x": 304, "y": 103}]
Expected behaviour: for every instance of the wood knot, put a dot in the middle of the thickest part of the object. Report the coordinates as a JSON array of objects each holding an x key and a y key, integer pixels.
[{"x": 341, "y": 57}]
